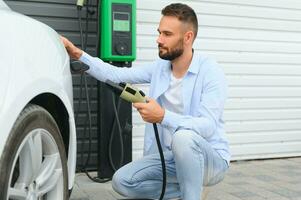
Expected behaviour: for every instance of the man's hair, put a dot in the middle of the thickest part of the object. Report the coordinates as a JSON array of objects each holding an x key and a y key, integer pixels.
[{"x": 182, "y": 12}]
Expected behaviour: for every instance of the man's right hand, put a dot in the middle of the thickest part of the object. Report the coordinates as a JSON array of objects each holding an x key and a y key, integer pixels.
[{"x": 73, "y": 51}]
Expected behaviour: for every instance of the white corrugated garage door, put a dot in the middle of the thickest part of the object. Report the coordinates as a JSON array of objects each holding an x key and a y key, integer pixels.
[{"x": 258, "y": 44}]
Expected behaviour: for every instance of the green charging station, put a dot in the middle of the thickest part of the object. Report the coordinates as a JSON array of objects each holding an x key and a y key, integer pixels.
[
  {"x": 118, "y": 30},
  {"x": 117, "y": 23}
]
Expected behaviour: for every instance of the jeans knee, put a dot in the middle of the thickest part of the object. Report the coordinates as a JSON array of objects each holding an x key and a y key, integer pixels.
[
  {"x": 186, "y": 141},
  {"x": 182, "y": 137},
  {"x": 116, "y": 182},
  {"x": 182, "y": 141},
  {"x": 119, "y": 183}
]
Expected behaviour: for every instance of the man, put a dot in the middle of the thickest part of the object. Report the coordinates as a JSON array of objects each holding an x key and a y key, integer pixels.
[{"x": 187, "y": 97}]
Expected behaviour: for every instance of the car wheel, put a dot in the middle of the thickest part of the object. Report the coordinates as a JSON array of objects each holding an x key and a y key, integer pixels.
[{"x": 33, "y": 164}]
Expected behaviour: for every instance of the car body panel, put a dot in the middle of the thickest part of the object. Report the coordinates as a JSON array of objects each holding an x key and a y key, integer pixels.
[
  {"x": 3, "y": 6},
  {"x": 33, "y": 61}
]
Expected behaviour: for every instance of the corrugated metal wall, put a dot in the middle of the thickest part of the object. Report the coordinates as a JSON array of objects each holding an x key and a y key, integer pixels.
[
  {"x": 258, "y": 44},
  {"x": 61, "y": 15}
]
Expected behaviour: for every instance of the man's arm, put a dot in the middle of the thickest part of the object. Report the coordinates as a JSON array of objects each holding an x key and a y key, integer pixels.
[
  {"x": 210, "y": 111},
  {"x": 103, "y": 71}
]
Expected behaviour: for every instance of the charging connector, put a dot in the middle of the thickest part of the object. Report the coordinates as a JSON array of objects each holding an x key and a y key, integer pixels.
[
  {"x": 78, "y": 67},
  {"x": 80, "y": 4},
  {"x": 128, "y": 93}
]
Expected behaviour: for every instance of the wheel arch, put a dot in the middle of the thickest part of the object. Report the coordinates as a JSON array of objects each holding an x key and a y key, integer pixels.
[{"x": 58, "y": 111}]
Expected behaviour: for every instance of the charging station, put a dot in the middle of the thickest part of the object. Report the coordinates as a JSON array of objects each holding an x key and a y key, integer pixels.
[{"x": 117, "y": 25}]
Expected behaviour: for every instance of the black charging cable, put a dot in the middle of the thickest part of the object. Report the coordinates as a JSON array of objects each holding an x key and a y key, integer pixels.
[
  {"x": 121, "y": 88},
  {"x": 162, "y": 161},
  {"x": 78, "y": 67},
  {"x": 81, "y": 70},
  {"x": 160, "y": 150},
  {"x": 118, "y": 124},
  {"x": 80, "y": 4}
]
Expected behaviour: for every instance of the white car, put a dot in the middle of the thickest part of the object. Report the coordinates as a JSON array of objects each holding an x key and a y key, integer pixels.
[{"x": 37, "y": 128}]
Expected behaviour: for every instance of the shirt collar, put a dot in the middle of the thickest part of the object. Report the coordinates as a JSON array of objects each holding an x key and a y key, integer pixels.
[{"x": 193, "y": 67}]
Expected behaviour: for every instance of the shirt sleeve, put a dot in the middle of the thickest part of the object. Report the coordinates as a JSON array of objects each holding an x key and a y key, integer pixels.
[
  {"x": 210, "y": 110},
  {"x": 103, "y": 71}
]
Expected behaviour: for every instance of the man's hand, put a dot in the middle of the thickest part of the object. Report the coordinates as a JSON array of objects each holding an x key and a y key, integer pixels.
[
  {"x": 151, "y": 111},
  {"x": 73, "y": 51}
]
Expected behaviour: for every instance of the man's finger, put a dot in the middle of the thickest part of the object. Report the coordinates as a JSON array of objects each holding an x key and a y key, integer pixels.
[
  {"x": 142, "y": 111},
  {"x": 138, "y": 105},
  {"x": 63, "y": 39}
]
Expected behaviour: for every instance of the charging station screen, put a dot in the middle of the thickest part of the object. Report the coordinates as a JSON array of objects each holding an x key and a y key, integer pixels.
[{"x": 121, "y": 21}]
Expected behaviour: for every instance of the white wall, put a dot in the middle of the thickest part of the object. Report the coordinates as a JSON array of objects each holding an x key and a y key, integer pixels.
[{"x": 258, "y": 44}]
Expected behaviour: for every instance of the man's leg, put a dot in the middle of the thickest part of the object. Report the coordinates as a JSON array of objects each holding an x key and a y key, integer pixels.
[
  {"x": 143, "y": 178},
  {"x": 197, "y": 163}
]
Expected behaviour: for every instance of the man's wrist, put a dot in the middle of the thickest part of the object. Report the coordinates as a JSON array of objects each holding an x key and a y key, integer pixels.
[
  {"x": 78, "y": 54},
  {"x": 162, "y": 115}
]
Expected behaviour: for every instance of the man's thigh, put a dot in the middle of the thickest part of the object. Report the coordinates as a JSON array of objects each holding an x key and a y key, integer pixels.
[{"x": 148, "y": 168}]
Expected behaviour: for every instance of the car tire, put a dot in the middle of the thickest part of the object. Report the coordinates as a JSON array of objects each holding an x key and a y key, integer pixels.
[{"x": 33, "y": 164}]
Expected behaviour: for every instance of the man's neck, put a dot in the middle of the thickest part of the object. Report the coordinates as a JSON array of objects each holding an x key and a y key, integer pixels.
[{"x": 181, "y": 64}]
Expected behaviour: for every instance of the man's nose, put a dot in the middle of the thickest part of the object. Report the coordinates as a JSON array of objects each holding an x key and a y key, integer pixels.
[{"x": 159, "y": 39}]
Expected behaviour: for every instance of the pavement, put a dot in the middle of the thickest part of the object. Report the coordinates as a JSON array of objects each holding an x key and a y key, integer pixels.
[{"x": 272, "y": 179}]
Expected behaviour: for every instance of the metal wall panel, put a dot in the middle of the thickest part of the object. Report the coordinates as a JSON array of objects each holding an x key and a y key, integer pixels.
[{"x": 258, "y": 45}]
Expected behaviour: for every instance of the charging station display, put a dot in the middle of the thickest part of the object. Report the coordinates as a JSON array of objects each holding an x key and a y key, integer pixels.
[
  {"x": 121, "y": 21},
  {"x": 118, "y": 30}
]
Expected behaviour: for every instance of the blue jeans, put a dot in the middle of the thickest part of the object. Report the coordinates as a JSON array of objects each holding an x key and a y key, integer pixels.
[{"x": 190, "y": 165}]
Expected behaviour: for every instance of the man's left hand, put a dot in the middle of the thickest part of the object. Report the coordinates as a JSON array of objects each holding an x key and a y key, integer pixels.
[{"x": 151, "y": 111}]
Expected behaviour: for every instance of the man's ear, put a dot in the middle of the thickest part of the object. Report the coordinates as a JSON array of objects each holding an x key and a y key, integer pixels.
[{"x": 189, "y": 37}]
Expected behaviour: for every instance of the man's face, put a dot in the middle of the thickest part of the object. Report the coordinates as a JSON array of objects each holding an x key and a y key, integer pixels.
[{"x": 170, "y": 39}]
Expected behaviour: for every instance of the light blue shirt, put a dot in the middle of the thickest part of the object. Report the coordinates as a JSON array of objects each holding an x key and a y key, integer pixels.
[{"x": 204, "y": 94}]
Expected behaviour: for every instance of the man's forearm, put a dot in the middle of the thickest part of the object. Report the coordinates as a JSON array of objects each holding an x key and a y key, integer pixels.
[{"x": 204, "y": 126}]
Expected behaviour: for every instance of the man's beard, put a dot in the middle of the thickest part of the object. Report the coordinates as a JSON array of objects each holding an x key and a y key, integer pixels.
[{"x": 173, "y": 53}]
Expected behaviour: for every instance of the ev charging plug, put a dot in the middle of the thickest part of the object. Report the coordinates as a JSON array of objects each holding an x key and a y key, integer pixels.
[
  {"x": 78, "y": 67},
  {"x": 80, "y": 3},
  {"x": 134, "y": 95},
  {"x": 127, "y": 92}
]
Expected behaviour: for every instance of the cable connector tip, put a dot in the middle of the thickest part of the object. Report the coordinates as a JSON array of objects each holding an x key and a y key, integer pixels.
[{"x": 80, "y": 3}]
